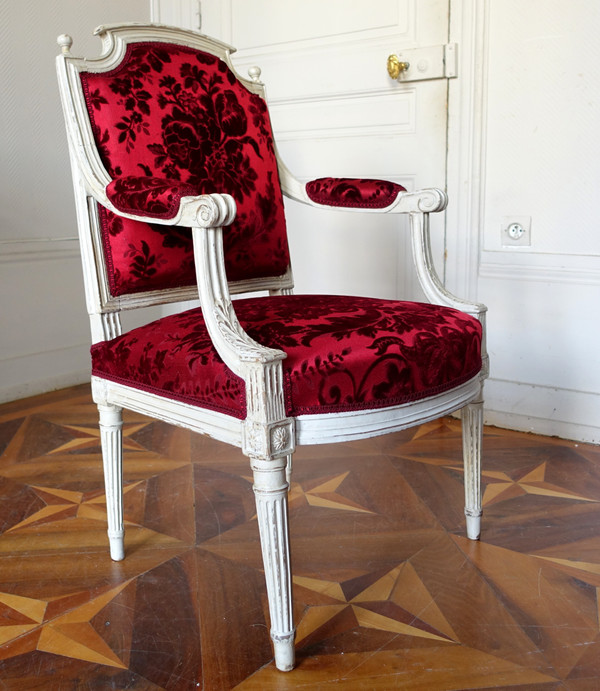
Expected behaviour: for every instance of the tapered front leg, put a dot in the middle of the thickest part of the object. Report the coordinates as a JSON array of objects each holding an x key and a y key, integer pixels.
[
  {"x": 111, "y": 434},
  {"x": 472, "y": 432},
  {"x": 271, "y": 488},
  {"x": 288, "y": 469}
]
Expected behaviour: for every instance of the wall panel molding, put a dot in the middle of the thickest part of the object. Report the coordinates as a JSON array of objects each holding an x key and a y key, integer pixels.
[
  {"x": 541, "y": 268},
  {"x": 341, "y": 115},
  {"x": 38, "y": 249},
  {"x": 293, "y": 23}
]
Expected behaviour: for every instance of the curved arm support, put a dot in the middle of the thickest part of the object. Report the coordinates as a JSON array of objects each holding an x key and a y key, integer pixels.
[
  {"x": 428, "y": 277},
  {"x": 430, "y": 281},
  {"x": 268, "y": 433},
  {"x": 233, "y": 344}
]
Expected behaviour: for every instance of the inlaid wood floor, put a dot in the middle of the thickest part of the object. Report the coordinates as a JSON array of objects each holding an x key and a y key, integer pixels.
[{"x": 388, "y": 592}]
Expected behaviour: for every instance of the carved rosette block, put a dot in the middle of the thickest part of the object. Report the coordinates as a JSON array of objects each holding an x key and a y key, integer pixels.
[
  {"x": 111, "y": 436},
  {"x": 268, "y": 440},
  {"x": 280, "y": 437},
  {"x": 472, "y": 431}
]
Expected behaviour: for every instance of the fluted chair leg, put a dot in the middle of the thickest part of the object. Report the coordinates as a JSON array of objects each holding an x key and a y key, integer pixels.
[
  {"x": 472, "y": 433},
  {"x": 270, "y": 488},
  {"x": 111, "y": 434}
]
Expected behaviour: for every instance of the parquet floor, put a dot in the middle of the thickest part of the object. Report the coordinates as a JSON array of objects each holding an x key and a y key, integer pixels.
[{"x": 388, "y": 592}]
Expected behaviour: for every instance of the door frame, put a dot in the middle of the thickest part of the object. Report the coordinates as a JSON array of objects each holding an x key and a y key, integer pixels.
[{"x": 465, "y": 173}]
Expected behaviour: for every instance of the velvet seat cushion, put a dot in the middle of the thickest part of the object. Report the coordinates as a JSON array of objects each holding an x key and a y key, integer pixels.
[{"x": 343, "y": 353}]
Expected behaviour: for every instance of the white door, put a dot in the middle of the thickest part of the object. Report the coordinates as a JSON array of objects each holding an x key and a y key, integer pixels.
[{"x": 336, "y": 112}]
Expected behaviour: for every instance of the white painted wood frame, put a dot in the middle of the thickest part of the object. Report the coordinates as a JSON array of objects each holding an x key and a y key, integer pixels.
[{"x": 267, "y": 436}]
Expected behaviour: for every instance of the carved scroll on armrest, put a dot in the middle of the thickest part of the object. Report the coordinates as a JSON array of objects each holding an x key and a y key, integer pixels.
[{"x": 168, "y": 201}]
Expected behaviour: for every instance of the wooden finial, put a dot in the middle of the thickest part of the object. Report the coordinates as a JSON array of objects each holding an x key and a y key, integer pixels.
[
  {"x": 65, "y": 42},
  {"x": 254, "y": 73}
]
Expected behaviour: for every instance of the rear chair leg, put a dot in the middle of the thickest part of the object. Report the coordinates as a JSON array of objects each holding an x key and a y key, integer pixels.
[
  {"x": 111, "y": 434},
  {"x": 472, "y": 433},
  {"x": 270, "y": 489}
]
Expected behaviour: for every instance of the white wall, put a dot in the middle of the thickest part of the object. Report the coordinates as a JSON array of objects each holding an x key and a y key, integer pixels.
[
  {"x": 540, "y": 158},
  {"x": 44, "y": 334},
  {"x": 523, "y": 142}
]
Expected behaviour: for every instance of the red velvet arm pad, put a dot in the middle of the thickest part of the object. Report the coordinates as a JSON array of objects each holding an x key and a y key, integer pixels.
[
  {"x": 353, "y": 193},
  {"x": 148, "y": 196}
]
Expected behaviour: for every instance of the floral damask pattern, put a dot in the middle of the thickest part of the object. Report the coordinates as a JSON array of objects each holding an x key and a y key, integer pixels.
[
  {"x": 169, "y": 122},
  {"x": 343, "y": 353},
  {"x": 148, "y": 195},
  {"x": 353, "y": 193}
]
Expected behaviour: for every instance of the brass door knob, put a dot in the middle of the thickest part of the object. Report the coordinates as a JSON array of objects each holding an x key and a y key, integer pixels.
[{"x": 395, "y": 66}]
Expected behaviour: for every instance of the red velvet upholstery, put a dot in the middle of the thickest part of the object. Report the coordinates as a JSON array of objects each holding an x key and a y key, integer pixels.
[
  {"x": 146, "y": 196},
  {"x": 343, "y": 353},
  {"x": 170, "y": 113},
  {"x": 353, "y": 193}
]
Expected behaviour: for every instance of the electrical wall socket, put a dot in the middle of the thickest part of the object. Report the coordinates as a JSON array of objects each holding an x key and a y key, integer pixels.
[{"x": 515, "y": 231}]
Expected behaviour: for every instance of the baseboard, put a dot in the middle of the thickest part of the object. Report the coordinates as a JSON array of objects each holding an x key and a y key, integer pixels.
[
  {"x": 43, "y": 385},
  {"x": 35, "y": 373},
  {"x": 550, "y": 411}
]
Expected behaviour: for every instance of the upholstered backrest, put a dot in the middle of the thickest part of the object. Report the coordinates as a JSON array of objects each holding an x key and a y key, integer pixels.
[{"x": 178, "y": 117}]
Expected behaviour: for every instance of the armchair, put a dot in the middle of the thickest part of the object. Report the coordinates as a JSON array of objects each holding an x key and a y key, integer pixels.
[{"x": 178, "y": 189}]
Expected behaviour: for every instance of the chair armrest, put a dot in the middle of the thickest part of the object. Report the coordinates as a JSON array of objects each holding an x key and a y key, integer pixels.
[
  {"x": 160, "y": 200},
  {"x": 151, "y": 197},
  {"x": 362, "y": 195},
  {"x": 383, "y": 196},
  {"x": 353, "y": 193},
  {"x": 167, "y": 202},
  {"x": 174, "y": 203}
]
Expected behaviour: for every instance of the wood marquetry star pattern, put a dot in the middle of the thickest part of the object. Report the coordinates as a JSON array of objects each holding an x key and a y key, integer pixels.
[{"x": 388, "y": 592}]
